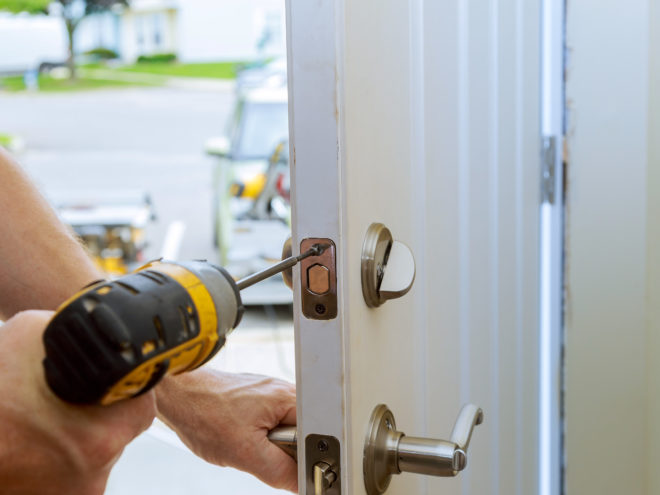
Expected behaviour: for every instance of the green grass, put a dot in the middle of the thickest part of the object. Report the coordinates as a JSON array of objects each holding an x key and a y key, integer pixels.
[
  {"x": 47, "y": 83},
  {"x": 6, "y": 140},
  {"x": 213, "y": 70},
  {"x": 12, "y": 83}
]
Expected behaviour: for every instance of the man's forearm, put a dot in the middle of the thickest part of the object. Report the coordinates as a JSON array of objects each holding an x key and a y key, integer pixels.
[{"x": 41, "y": 261}]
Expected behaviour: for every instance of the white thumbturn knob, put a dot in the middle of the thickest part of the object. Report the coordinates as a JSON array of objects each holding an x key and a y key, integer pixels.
[
  {"x": 388, "y": 266},
  {"x": 398, "y": 273}
]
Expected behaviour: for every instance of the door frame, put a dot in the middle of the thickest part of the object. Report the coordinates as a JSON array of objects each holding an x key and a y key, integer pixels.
[
  {"x": 551, "y": 304},
  {"x": 313, "y": 58}
]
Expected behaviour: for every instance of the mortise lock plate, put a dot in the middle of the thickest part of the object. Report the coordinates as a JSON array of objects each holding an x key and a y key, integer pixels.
[
  {"x": 321, "y": 459},
  {"x": 322, "y": 464},
  {"x": 318, "y": 278},
  {"x": 318, "y": 281}
]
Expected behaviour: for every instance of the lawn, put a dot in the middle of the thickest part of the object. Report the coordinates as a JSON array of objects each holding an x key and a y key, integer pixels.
[
  {"x": 212, "y": 70},
  {"x": 209, "y": 70},
  {"x": 47, "y": 83}
]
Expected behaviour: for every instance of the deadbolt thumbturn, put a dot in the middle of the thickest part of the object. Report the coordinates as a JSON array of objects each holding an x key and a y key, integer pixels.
[
  {"x": 388, "y": 451},
  {"x": 388, "y": 266}
]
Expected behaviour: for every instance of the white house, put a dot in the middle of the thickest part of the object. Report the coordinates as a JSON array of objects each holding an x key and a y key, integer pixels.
[{"x": 195, "y": 30}]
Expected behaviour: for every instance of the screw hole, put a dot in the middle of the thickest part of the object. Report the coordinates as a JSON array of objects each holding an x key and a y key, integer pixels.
[
  {"x": 323, "y": 445},
  {"x": 320, "y": 309}
]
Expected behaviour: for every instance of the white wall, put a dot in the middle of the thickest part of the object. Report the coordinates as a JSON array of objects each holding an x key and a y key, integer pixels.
[
  {"x": 138, "y": 30},
  {"x": 100, "y": 30},
  {"x": 26, "y": 41},
  {"x": 212, "y": 30},
  {"x": 198, "y": 30},
  {"x": 209, "y": 30},
  {"x": 613, "y": 249}
]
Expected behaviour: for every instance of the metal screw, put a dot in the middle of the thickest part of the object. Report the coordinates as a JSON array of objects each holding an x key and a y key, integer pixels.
[
  {"x": 323, "y": 445},
  {"x": 320, "y": 309}
]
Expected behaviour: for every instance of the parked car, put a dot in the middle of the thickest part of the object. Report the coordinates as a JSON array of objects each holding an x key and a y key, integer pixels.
[
  {"x": 251, "y": 212},
  {"x": 269, "y": 75}
]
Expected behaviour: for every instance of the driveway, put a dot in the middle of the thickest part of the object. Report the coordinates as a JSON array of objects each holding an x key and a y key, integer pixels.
[{"x": 148, "y": 139}]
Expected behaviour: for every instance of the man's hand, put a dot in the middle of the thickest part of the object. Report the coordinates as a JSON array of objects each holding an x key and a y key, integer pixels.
[
  {"x": 46, "y": 445},
  {"x": 224, "y": 418}
]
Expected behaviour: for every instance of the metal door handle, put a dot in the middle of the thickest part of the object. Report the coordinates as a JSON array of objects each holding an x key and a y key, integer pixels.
[
  {"x": 285, "y": 437},
  {"x": 469, "y": 417},
  {"x": 388, "y": 451}
]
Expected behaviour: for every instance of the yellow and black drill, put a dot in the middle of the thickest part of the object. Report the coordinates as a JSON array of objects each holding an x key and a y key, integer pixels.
[{"x": 116, "y": 339}]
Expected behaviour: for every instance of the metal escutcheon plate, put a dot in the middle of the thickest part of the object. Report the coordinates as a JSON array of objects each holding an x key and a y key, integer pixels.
[
  {"x": 378, "y": 463},
  {"x": 375, "y": 250}
]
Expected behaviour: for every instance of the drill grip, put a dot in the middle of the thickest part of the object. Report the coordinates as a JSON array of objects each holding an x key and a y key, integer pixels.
[{"x": 117, "y": 339}]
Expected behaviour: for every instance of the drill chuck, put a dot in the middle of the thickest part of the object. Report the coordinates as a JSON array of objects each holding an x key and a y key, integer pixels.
[{"x": 117, "y": 339}]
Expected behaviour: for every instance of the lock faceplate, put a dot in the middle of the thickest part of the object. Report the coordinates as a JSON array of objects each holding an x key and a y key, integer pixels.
[
  {"x": 322, "y": 463},
  {"x": 318, "y": 281}
]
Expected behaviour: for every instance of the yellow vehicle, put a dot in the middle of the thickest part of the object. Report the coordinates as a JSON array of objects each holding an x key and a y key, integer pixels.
[{"x": 110, "y": 224}]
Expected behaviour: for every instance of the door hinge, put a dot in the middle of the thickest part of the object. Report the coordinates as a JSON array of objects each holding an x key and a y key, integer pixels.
[{"x": 548, "y": 169}]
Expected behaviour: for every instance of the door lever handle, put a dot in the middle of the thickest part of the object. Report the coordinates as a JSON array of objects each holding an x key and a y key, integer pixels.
[
  {"x": 469, "y": 417},
  {"x": 285, "y": 437},
  {"x": 388, "y": 451}
]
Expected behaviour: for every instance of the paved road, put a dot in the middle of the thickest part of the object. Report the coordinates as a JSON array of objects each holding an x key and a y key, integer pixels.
[{"x": 151, "y": 139}]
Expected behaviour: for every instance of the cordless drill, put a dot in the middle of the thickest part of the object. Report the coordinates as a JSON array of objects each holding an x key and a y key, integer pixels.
[{"x": 116, "y": 339}]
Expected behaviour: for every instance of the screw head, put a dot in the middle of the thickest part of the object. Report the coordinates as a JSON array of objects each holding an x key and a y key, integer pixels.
[
  {"x": 323, "y": 445},
  {"x": 320, "y": 308}
]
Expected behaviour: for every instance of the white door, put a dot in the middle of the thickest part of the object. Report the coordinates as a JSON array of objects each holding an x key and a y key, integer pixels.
[{"x": 423, "y": 116}]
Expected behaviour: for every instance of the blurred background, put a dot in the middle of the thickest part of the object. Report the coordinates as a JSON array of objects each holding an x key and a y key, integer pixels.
[{"x": 158, "y": 128}]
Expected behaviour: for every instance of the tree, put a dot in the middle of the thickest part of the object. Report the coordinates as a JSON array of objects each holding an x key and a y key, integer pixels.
[{"x": 71, "y": 11}]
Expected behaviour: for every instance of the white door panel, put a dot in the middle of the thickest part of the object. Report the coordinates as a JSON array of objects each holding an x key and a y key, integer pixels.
[{"x": 423, "y": 116}]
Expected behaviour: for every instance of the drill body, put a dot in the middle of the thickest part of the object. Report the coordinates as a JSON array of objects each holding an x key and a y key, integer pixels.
[{"x": 116, "y": 339}]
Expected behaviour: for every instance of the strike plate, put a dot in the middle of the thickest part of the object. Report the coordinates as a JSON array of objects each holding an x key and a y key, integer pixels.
[
  {"x": 325, "y": 450},
  {"x": 318, "y": 281}
]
